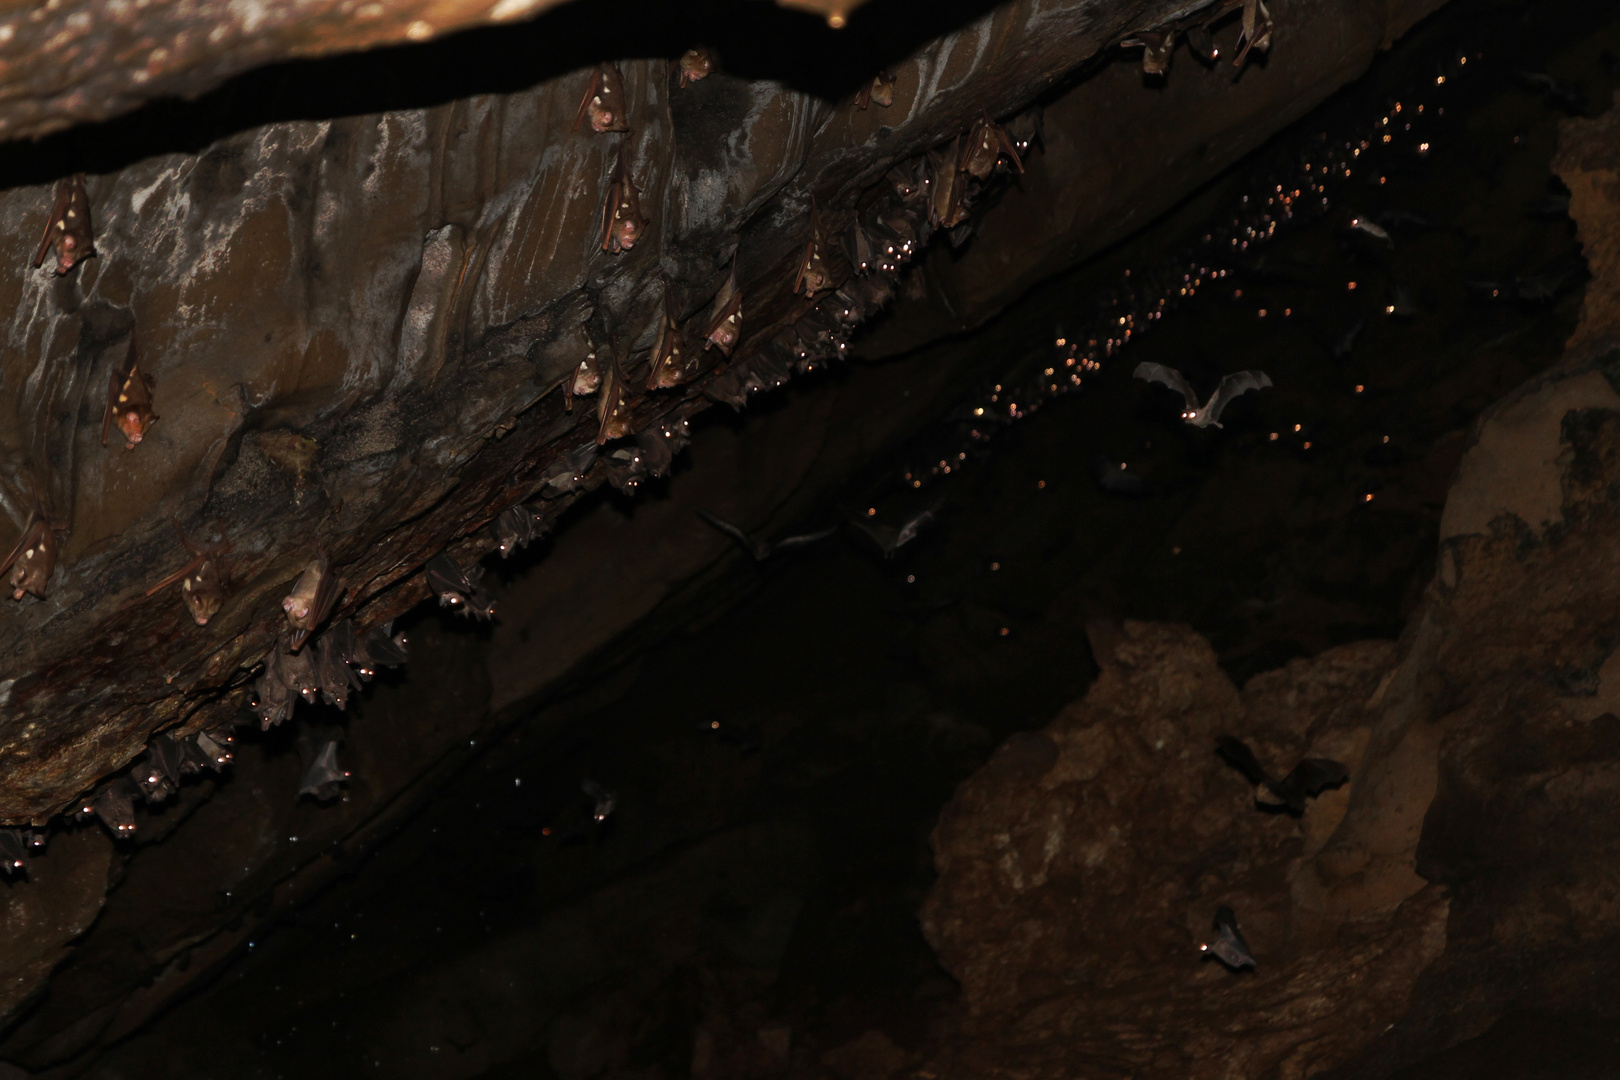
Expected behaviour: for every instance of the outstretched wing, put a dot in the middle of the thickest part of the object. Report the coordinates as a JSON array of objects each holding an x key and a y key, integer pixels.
[
  {"x": 1169, "y": 377},
  {"x": 807, "y": 538},
  {"x": 1236, "y": 753},
  {"x": 1233, "y": 385}
]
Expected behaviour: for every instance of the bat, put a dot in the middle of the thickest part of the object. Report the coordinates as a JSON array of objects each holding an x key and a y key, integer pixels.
[
  {"x": 1371, "y": 228},
  {"x": 1228, "y": 947},
  {"x": 323, "y": 776},
  {"x": 984, "y": 148},
  {"x": 612, "y": 410},
  {"x": 1400, "y": 304},
  {"x": 459, "y": 589},
  {"x": 947, "y": 194},
  {"x": 332, "y": 672},
  {"x": 115, "y": 806},
  {"x": 671, "y": 365},
  {"x": 1156, "y": 46},
  {"x": 1256, "y": 30},
  {"x": 725, "y": 325},
  {"x": 68, "y": 229},
  {"x": 585, "y": 381},
  {"x": 568, "y": 474},
  {"x": 879, "y": 92},
  {"x": 158, "y": 776},
  {"x": 202, "y": 751},
  {"x": 891, "y": 539},
  {"x": 517, "y": 527},
  {"x": 1116, "y": 477},
  {"x": 759, "y": 547},
  {"x": 297, "y": 671},
  {"x": 34, "y": 558},
  {"x": 604, "y": 101},
  {"x": 13, "y": 852},
  {"x": 1309, "y": 778},
  {"x": 378, "y": 647},
  {"x": 657, "y": 447},
  {"x": 273, "y": 700},
  {"x": 129, "y": 402},
  {"x": 1209, "y": 414},
  {"x": 606, "y": 801},
  {"x": 622, "y": 223},
  {"x": 203, "y": 580},
  {"x": 624, "y": 469},
  {"x": 695, "y": 65},
  {"x": 312, "y": 598},
  {"x": 813, "y": 275},
  {"x": 1202, "y": 43}
]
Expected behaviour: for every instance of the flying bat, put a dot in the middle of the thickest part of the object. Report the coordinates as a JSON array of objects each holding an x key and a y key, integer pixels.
[
  {"x": 1309, "y": 778},
  {"x": 323, "y": 776},
  {"x": 67, "y": 231},
  {"x": 1210, "y": 412},
  {"x": 892, "y": 539},
  {"x": 759, "y": 547},
  {"x": 1228, "y": 947},
  {"x": 129, "y": 401},
  {"x": 605, "y": 801}
]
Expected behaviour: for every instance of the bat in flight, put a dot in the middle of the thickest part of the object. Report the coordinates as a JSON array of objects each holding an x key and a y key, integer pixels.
[
  {"x": 892, "y": 539},
  {"x": 1210, "y": 412},
  {"x": 759, "y": 547},
  {"x": 1308, "y": 779},
  {"x": 1228, "y": 947}
]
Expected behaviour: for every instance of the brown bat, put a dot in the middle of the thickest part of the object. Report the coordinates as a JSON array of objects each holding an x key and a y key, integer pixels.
[
  {"x": 946, "y": 201},
  {"x": 671, "y": 365},
  {"x": 612, "y": 408},
  {"x": 725, "y": 326},
  {"x": 604, "y": 101},
  {"x": 68, "y": 230},
  {"x": 985, "y": 144},
  {"x": 879, "y": 92},
  {"x": 203, "y": 581},
  {"x": 813, "y": 275},
  {"x": 1156, "y": 46},
  {"x": 695, "y": 65},
  {"x": 34, "y": 557},
  {"x": 129, "y": 401},
  {"x": 585, "y": 381},
  {"x": 311, "y": 600},
  {"x": 1256, "y": 30},
  {"x": 622, "y": 223}
]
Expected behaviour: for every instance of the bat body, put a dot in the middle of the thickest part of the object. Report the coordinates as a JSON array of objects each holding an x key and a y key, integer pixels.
[
  {"x": 13, "y": 852},
  {"x": 203, "y": 581},
  {"x": 585, "y": 381},
  {"x": 1228, "y": 947},
  {"x": 604, "y": 101},
  {"x": 985, "y": 145},
  {"x": 378, "y": 647},
  {"x": 129, "y": 402},
  {"x": 1256, "y": 32},
  {"x": 116, "y": 807},
  {"x": 273, "y": 700},
  {"x": 332, "y": 671},
  {"x": 622, "y": 223},
  {"x": 759, "y": 547},
  {"x": 297, "y": 671},
  {"x": 158, "y": 775},
  {"x": 203, "y": 751},
  {"x": 312, "y": 598},
  {"x": 814, "y": 275},
  {"x": 947, "y": 207},
  {"x": 1156, "y": 46},
  {"x": 879, "y": 92},
  {"x": 613, "y": 407},
  {"x": 1309, "y": 778},
  {"x": 569, "y": 472},
  {"x": 605, "y": 801},
  {"x": 695, "y": 65},
  {"x": 459, "y": 589},
  {"x": 1208, "y": 414},
  {"x": 34, "y": 558},
  {"x": 517, "y": 527},
  {"x": 725, "y": 325},
  {"x": 1367, "y": 226},
  {"x": 891, "y": 539},
  {"x": 68, "y": 231},
  {"x": 671, "y": 365}
]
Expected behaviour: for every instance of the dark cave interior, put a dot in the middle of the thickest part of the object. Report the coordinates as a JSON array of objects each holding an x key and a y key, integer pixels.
[{"x": 780, "y": 737}]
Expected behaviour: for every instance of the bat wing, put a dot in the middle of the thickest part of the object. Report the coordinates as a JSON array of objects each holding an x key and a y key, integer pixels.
[
  {"x": 58, "y": 208},
  {"x": 1170, "y": 377},
  {"x": 1233, "y": 385},
  {"x": 323, "y": 775},
  {"x": 806, "y": 538},
  {"x": 584, "y": 102},
  {"x": 729, "y": 529},
  {"x": 1236, "y": 753},
  {"x": 30, "y": 536},
  {"x": 885, "y": 536},
  {"x": 1313, "y": 776}
]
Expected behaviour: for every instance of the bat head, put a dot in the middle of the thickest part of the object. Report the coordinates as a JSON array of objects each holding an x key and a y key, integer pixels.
[
  {"x": 883, "y": 89},
  {"x": 696, "y": 64}
]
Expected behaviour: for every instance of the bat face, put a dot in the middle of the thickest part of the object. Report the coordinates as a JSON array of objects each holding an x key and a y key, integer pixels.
[
  {"x": 587, "y": 377},
  {"x": 695, "y": 65},
  {"x": 311, "y": 600},
  {"x": 604, "y": 101},
  {"x": 34, "y": 560},
  {"x": 882, "y": 89},
  {"x": 622, "y": 223},
  {"x": 203, "y": 590},
  {"x": 116, "y": 808},
  {"x": 297, "y": 670},
  {"x": 129, "y": 402},
  {"x": 983, "y": 149},
  {"x": 612, "y": 409},
  {"x": 1228, "y": 947},
  {"x": 671, "y": 365},
  {"x": 67, "y": 232},
  {"x": 725, "y": 328}
]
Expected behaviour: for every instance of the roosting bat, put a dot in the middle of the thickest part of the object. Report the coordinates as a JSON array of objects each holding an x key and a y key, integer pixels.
[
  {"x": 725, "y": 325},
  {"x": 297, "y": 671},
  {"x": 879, "y": 92},
  {"x": 947, "y": 207},
  {"x": 622, "y": 223},
  {"x": 129, "y": 401},
  {"x": 891, "y": 539},
  {"x": 378, "y": 647},
  {"x": 332, "y": 672},
  {"x": 116, "y": 807},
  {"x": 34, "y": 557},
  {"x": 203, "y": 751},
  {"x": 613, "y": 407},
  {"x": 158, "y": 775},
  {"x": 1156, "y": 46},
  {"x": 985, "y": 145},
  {"x": 517, "y": 527},
  {"x": 203, "y": 583},
  {"x": 68, "y": 230},
  {"x": 604, "y": 101},
  {"x": 1256, "y": 30},
  {"x": 311, "y": 600},
  {"x": 459, "y": 589},
  {"x": 759, "y": 547},
  {"x": 1209, "y": 414},
  {"x": 1228, "y": 947},
  {"x": 585, "y": 381},
  {"x": 13, "y": 852},
  {"x": 814, "y": 275},
  {"x": 695, "y": 65},
  {"x": 1308, "y": 779},
  {"x": 568, "y": 473},
  {"x": 671, "y": 365},
  {"x": 273, "y": 701}
]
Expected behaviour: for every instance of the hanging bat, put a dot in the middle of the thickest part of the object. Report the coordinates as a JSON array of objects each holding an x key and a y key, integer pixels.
[
  {"x": 68, "y": 230},
  {"x": 879, "y": 92},
  {"x": 759, "y": 547},
  {"x": 115, "y": 806},
  {"x": 910, "y": 180},
  {"x": 1256, "y": 32},
  {"x": 612, "y": 408},
  {"x": 203, "y": 581},
  {"x": 671, "y": 365},
  {"x": 297, "y": 671},
  {"x": 273, "y": 701},
  {"x": 585, "y": 381},
  {"x": 813, "y": 275},
  {"x": 624, "y": 469},
  {"x": 457, "y": 588},
  {"x": 13, "y": 852},
  {"x": 604, "y": 101},
  {"x": 695, "y": 65},
  {"x": 1228, "y": 947},
  {"x": 725, "y": 325},
  {"x": 985, "y": 145},
  {"x": 1308, "y": 779},
  {"x": 158, "y": 775},
  {"x": 312, "y": 598},
  {"x": 332, "y": 672},
  {"x": 605, "y": 801},
  {"x": 1156, "y": 46},
  {"x": 947, "y": 195},
  {"x": 622, "y": 223},
  {"x": 656, "y": 447},
  {"x": 129, "y": 402},
  {"x": 378, "y": 647},
  {"x": 517, "y": 527},
  {"x": 569, "y": 472},
  {"x": 323, "y": 776},
  {"x": 201, "y": 751},
  {"x": 891, "y": 539},
  {"x": 1209, "y": 414},
  {"x": 1202, "y": 43},
  {"x": 34, "y": 558}
]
